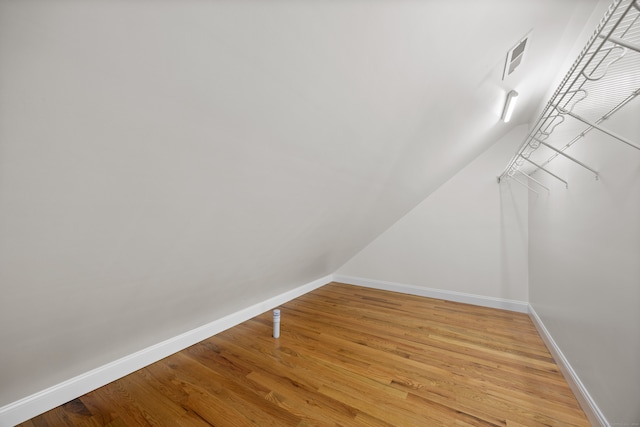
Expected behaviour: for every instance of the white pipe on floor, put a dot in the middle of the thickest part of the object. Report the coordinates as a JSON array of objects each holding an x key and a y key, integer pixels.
[{"x": 276, "y": 323}]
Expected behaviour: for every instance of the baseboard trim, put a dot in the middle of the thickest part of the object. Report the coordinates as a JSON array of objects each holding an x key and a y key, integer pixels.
[
  {"x": 504, "y": 304},
  {"x": 591, "y": 410},
  {"x": 38, "y": 403}
]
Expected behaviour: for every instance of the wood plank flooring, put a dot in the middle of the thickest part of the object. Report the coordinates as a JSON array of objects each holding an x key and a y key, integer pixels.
[{"x": 346, "y": 356}]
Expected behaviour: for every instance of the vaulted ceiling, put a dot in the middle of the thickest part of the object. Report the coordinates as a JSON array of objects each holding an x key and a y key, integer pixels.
[{"x": 163, "y": 163}]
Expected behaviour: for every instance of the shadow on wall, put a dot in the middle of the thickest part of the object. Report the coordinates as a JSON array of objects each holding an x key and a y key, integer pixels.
[{"x": 514, "y": 236}]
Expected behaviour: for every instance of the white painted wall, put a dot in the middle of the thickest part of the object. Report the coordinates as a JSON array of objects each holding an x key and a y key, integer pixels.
[
  {"x": 468, "y": 236},
  {"x": 584, "y": 265}
]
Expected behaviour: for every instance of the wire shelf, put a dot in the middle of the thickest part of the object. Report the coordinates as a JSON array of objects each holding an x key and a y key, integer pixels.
[{"x": 604, "y": 78}]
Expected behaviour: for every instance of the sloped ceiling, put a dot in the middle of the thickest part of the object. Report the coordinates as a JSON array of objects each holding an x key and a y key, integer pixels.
[{"x": 163, "y": 163}]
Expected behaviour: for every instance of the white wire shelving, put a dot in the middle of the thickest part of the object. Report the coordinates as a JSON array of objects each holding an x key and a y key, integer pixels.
[{"x": 604, "y": 78}]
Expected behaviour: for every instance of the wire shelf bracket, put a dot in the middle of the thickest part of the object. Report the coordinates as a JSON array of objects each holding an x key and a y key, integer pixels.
[
  {"x": 600, "y": 128},
  {"x": 524, "y": 185},
  {"x": 535, "y": 180},
  {"x": 547, "y": 171},
  {"x": 562, "y": 153},
  {"x": 621, "y": 42}
]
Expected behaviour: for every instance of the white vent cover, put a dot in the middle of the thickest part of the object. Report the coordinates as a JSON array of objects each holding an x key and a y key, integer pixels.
[{"x": 515, "y": 56}]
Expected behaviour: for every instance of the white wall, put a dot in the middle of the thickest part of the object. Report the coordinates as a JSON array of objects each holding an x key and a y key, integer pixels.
[
  {"x": 584, "y": 265},
  {"x": 165, "y": 164},
  {"x": 468, "y": 236}
]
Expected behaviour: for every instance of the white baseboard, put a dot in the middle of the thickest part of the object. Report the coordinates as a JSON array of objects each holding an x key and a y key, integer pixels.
[
  {"x": 38, "y": 403},
  {"x": 511, "y": 305},
  {"x": 591, "y": 410}
]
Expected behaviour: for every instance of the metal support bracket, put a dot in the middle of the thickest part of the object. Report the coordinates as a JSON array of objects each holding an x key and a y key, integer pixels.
[
  {"x": 562, "y": 153},
  {"x": 566, "y": 184},
  {"x": 535, "y": 180},
  {"x": 600, "y": 128},
  {"x": 621, "y": 42},
  {"x": 523, "y": 184}
]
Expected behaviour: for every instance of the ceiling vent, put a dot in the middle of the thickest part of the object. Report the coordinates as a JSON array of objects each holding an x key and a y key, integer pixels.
[{"x": 515, "y": 56}]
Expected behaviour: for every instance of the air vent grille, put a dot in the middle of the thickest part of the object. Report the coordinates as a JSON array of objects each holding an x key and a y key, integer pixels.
[{"x": 515, "y": 56}]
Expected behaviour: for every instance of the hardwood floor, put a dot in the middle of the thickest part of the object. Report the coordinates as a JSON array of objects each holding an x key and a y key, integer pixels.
[{"x": 346, "y": 356}]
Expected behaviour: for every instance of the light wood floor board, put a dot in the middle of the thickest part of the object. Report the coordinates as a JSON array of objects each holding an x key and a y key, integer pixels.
[{"x": 347, "y": 356}]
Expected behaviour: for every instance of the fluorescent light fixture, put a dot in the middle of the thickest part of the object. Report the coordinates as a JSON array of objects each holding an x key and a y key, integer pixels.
[{"x": 509, "y": 106}]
